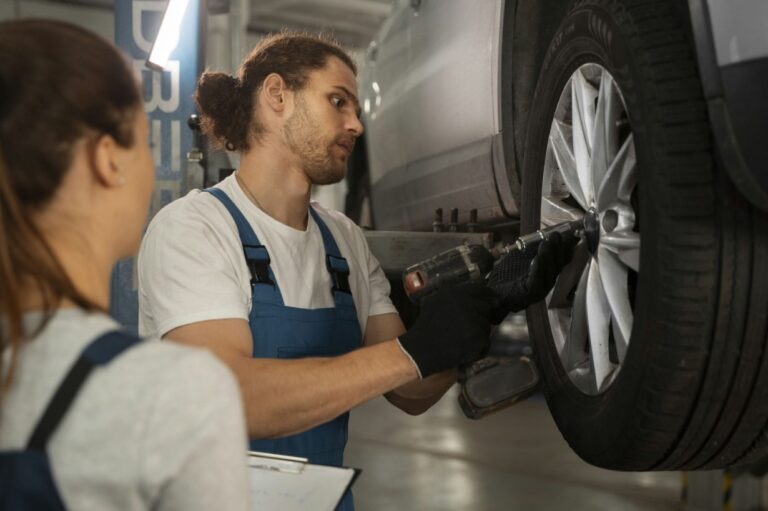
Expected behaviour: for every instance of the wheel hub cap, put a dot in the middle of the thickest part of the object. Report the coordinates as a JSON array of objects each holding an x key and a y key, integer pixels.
[
  {"x": 592, "y": 230},
  {"x": 590, "y": 174}
]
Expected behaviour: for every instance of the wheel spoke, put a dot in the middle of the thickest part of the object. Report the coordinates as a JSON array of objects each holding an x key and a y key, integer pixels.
[
  {"x": 599, "y": 319},
  {"x": 559, "y": 137},
  {"x": 591, "y": 157},
  {"x": 620, "y": 178},
  {"x": 570, "y": 277},
  {"x": 554, "y": 211},
  {"x": 605, "y": 131},
  {"x": 626, "y": 245},
  {"x": 614, "y": 278},
  {"x": 574, "y": 350},
  {"x": 583, "y": 96}
]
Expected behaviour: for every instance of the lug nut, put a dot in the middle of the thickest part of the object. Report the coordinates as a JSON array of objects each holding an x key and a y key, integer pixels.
[{"x": 610, "y": 220}]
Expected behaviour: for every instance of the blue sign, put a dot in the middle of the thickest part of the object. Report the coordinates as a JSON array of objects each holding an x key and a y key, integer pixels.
[{"x": 168, "y": 103}]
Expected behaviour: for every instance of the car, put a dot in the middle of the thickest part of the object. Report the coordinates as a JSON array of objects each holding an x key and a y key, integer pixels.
[{"x": 644, "y": 118}]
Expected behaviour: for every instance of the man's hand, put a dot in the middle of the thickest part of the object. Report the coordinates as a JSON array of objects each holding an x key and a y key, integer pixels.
[
  {"x": 453, "y": 328},
  {"x": 521, "y": 279}
]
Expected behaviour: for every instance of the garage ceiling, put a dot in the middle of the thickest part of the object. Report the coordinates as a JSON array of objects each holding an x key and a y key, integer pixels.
[{"x": 353, "y": 22}]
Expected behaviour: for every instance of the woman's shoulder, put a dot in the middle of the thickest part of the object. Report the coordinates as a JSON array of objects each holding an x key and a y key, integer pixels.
[
  {"x": 163, "y": 381},
  {"x": 151, "y": 411}
]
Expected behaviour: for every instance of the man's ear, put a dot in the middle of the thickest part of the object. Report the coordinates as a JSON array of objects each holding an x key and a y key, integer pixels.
[
  {"x": 105, "y": 162},
  {"x": 275, "y": 92}
]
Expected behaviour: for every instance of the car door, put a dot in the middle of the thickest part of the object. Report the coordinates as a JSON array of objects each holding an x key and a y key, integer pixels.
[
  {"x": 449, "y": 116},
  {"x": 381, "y": 85},
  {"x": 451, "y": 90}
]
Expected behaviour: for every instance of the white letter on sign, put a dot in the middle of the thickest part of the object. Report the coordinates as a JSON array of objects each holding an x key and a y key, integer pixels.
[
  {"x": 156, "y": 99},
  {"x": 139, "y": 6}
]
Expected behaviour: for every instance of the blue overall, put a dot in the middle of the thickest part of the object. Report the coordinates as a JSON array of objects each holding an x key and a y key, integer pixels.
[
  {"x": 26, "y": 479},
  {"x": 288, "y": 332}
]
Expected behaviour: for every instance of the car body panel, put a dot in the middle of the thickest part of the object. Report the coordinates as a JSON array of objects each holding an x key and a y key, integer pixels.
[
  {"x": 448, "y": 96},
  {"x": 452, "y": 79},
  {"x": 739, "y": 29},
  {"x": 381, "y": 85},
  {"x": 432, "y": 105},
  {"x": 732, "y": 49}
]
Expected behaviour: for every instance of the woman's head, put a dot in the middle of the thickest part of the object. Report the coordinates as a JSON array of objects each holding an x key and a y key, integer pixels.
[{"x": 72, "y": 140}]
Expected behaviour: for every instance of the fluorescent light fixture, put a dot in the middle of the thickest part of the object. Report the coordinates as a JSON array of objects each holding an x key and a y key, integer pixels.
[{"x": 168, "y": 35}]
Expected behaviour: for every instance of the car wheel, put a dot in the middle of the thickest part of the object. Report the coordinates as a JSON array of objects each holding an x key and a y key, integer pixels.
[{"x": 652, "y": 343}]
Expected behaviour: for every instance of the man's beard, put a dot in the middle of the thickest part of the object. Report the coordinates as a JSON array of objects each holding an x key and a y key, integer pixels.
[{"x": 303, "y": 135}]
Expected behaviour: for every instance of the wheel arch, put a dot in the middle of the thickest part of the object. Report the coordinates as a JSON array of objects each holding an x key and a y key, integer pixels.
[{"x": 526, "y": 31}]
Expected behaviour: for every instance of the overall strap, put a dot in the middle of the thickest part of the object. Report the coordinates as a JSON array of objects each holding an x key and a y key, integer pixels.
[
  {"x": 263, "y": 282},
  {"x": 337, "y": 265},
  {"x": 99, "y": 352}
]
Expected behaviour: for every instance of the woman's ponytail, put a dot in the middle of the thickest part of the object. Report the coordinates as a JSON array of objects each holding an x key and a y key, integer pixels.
[{"x": 58, "y": 83}]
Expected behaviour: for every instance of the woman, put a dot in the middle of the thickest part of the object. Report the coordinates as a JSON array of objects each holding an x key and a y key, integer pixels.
[{"x": 159, "y": 426}]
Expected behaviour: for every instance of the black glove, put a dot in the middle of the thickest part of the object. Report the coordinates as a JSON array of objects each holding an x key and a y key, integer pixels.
[
  {"x": 522, "y": 278},
  {"x": 453, "y": 328}
]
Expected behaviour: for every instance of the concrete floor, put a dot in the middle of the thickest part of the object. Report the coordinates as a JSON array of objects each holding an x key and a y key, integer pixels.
[{"x": 514, "y": 459}]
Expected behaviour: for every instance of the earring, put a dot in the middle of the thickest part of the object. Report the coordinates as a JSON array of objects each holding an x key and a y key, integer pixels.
[
  {"x": 120, "y": 175},
  {"x": 120, "y": 178}
]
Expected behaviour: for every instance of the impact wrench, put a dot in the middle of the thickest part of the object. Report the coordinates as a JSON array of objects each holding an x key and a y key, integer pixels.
[{"x": 491, "y": 383}]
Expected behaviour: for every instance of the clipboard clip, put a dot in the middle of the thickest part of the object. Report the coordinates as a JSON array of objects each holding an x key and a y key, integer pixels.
[{"x": 276, "y": 462}]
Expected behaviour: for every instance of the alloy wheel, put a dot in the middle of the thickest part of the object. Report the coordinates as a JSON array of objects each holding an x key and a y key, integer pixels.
[{"x": 590, "y": 173}]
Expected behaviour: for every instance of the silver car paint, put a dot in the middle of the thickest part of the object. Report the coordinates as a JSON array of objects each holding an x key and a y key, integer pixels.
[
  {"x": 740, "y": 30},
  {"x": 381, "y": 84},
  {"x": 451, "y": 85},
  {"x": 431, "y": 108}
]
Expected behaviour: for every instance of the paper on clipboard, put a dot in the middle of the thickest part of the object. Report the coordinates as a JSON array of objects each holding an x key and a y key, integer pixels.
[{"x": 285, "y": 483}]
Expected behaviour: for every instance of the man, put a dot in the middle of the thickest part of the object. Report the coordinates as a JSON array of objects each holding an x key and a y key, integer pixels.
[{"x": 287, "y": 293}]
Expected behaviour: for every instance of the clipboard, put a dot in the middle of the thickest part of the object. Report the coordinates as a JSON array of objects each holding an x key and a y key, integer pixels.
[{"x": 287, "y": 483}]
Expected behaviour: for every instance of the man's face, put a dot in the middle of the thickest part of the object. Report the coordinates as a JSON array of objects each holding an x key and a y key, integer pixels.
[{"x": 324, "y": 124}]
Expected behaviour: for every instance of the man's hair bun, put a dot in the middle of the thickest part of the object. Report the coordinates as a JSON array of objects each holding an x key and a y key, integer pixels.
[{"x": 225, "y": 110}]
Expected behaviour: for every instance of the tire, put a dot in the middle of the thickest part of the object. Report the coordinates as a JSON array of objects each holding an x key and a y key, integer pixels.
[{"x": 690, "y": 391}]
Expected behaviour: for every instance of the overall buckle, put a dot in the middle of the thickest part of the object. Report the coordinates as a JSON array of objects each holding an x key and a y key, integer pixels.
[
  {"x": 339, "y": 270},
  {"x": 257, "y": 259}
]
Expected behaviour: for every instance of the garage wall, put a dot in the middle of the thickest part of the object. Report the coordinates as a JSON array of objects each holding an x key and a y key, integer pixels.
[
  {"x": 227, "y": 43},
  {"x": 99, "y": 20}
]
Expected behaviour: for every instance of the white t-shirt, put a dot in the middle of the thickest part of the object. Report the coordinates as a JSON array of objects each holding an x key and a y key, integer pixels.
[
  {"x": 160, "y": 427},
  {"x": 191, "y": 265}
]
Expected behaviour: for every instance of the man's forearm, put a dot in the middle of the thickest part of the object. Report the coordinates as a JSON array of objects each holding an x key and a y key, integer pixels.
[
  {"x": 417, "y": 396},
  {"x": 284, "y": 397}
]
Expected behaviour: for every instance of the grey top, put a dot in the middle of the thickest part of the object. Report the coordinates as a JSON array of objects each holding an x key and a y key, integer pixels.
[{"x": 161, "y": 427}]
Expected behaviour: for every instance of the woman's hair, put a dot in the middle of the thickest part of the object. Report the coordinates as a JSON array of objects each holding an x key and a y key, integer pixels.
[
  {"x": 225, "y": 103},
  {"x": 58, "y": 84}
]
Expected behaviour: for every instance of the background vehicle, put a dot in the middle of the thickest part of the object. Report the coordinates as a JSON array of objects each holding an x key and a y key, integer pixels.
[{"x": 645, "y": 116}]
